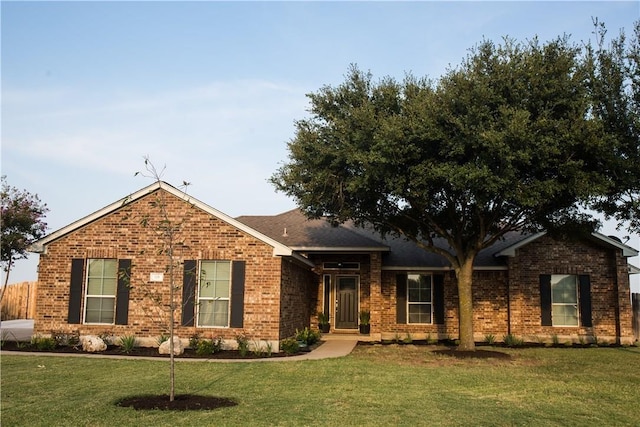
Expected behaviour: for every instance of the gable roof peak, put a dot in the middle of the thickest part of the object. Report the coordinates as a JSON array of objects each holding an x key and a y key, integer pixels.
[{"x": 279, "y": 249}]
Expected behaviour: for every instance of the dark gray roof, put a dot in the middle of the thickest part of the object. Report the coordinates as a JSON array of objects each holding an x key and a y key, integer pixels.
[{"x": 293, "y": 229}]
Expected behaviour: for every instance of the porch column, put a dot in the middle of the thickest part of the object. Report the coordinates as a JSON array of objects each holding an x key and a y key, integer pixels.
[
  {"x": 376, "y": 295},
  {"x": 624, "y": 326}
]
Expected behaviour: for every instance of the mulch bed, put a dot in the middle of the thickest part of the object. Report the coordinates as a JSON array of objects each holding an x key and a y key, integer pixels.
[
  {"x": 477, "y": 354},
  {"x": 181, "y": 402},
  {"x": 142, "y": 351}
]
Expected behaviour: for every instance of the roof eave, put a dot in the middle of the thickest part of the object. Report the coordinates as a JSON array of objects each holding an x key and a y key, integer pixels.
[
  {"x": 345, "y": 249},
  {"x": 627, "y": 251}
]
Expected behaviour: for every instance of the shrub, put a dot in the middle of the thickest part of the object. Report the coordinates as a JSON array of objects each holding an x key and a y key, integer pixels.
[
  {"x": 203, "y": 347},
  {"x": 217, "y": 344},
  {"x": 408, "y": 339},
  {"x": 194, "y": 340},
  {"x": 262, "y": 349},
  {"x": 43, "y": 343},
  {"x": 162, "y": 338},
  {"x": 490, "y": 339},
  {"x": 365, "y": 317},
  {"x": 106, "y": 336},
  {"x": 510, "y": 340},
  {"x": 290, "y": 346},
  {"x": 66, "y": 339},
  {"x": 243, "y": 344},
  {"x": 127, "y": 343},
  {"x": 308, "y": 336}
]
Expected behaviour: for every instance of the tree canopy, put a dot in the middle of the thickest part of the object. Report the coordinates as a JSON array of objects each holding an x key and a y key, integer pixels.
[
  {"x": 614, "y": 85},
  {"x": 505, "y": 141},
  {"x": 22, "y": 223}
]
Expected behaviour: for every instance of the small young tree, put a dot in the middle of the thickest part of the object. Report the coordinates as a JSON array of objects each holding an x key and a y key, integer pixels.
[
  {"x": 168, "y": 227},
  {"x": 22, "y": 223}
]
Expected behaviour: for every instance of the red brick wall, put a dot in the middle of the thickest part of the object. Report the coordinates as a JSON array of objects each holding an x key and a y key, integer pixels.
[
  {"x": 489, "y": 301},
  {"x": 611, "y": 312},
  {"x": 501, "y": 295},
  {"x": 121, "y": 235},
  {"x": 298, "y": 299}
]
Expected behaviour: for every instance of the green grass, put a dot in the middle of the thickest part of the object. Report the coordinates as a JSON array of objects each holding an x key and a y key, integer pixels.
[{"x": 376, "y": 385}]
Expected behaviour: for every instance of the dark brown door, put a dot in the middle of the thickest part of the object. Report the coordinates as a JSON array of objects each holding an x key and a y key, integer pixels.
[{"x": 347, "y": 303}]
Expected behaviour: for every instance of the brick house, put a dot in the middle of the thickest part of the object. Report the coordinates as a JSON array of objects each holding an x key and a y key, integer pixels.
[{"x": 266, "y": 276}]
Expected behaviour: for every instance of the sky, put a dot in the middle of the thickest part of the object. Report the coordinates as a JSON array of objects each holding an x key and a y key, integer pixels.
[{"x": 211, "y": 90}]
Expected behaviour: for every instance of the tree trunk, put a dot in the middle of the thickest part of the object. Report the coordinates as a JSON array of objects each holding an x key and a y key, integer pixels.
[
  {"x": 6, "y": 279},
  {"x": 465, "y": 304}
]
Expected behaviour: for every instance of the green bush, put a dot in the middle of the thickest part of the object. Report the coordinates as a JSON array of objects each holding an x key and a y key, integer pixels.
[
  {"x": 194, "y": 340},
  {"x": 490, "y": 339},
  {"x": 127, "y": 343},
  {"x": 290, "y": 346},
  {"x": 308, "y": 336},
  {"x": 43, "y": 343},
  {"x": 510, "y": 340},
  {"x": 243, "y": 344},
  {"x": 66, "y": 339},
  {"x": 204, "y": 347}
]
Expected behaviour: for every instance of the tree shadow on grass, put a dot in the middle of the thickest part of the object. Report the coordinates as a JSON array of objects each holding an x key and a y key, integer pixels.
[
  {"x": 477, "y": 354},
  {"x": 181, "y": 402}
]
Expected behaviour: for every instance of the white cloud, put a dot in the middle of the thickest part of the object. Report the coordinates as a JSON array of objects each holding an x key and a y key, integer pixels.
[{"x": 202, "y": 127}]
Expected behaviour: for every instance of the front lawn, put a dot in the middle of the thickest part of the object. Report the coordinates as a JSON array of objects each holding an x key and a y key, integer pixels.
[{"x": 375, "y": 385}]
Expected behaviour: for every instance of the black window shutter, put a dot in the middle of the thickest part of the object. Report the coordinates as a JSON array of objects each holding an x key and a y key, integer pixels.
[
  {"x": 237, "y": 294},
  {"x": 585, "y": 300},
  {"x": 438, "y": 299},
  {"x": 545, "y": 299},
  {"x": 122, "y": 297},
  {"x": 189, "y": 280},
  {"x": 401, "y": 298},
  {"x": 75, "y": 290}
]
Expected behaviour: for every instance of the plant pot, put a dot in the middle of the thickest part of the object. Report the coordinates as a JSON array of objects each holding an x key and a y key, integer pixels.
[
  {"x": 324, "y": 327},
  {"x": 365, "y": 329}
]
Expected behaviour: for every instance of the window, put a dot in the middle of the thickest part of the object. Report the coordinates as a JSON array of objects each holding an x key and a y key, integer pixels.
[
  {"x": 341, "y": 266},
  {"x": 564, "y": 300},
  {"x": 100, "y": 297},
  {"x": 419, "y": 298},
  {"x": 213, "y": 293}
]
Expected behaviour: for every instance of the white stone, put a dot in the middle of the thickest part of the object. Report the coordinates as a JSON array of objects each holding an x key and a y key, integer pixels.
[
  {"x": 178, "y": 348},
  {"x": 93, "y": 344}
]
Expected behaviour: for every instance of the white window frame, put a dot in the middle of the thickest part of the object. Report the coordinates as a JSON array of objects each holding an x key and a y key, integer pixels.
[
  {"x": 555, "y": 278},
  {"x": 410, "y": 303},
  {"x": 201, "y": 298},
  {"x": 87, "y": 295}
]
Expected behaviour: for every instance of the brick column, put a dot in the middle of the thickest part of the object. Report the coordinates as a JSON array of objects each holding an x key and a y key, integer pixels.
[{"x": 375, "y": 296}]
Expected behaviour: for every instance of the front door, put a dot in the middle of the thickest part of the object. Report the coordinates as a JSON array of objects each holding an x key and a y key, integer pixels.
[{"x": 347, "y": 302}]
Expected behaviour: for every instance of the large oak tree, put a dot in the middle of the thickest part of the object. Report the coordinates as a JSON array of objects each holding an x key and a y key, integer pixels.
[
  {"x": 614, "y": 84},
  {"x": 505, "y": 141}
]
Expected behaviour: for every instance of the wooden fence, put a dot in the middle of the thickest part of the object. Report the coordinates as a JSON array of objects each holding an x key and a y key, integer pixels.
[
  {"x": 635, "y": 304},
  {"x": 19, "y": 301}
]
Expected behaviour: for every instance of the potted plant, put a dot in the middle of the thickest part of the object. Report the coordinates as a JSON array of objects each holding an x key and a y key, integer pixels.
[
  {"x": 323, "y": 322},
  {"x": 365, "y": 326}
]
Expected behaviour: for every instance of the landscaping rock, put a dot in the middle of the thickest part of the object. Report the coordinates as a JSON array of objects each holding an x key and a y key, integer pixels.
[
  {"x": 178, "y": 348},
  {"x": 93, "y": 344}
]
